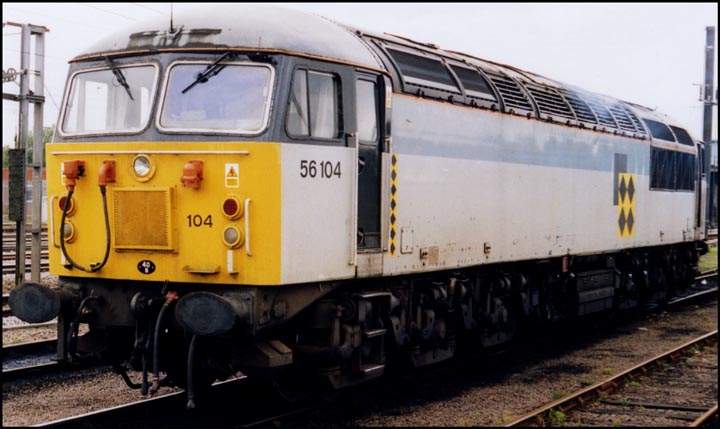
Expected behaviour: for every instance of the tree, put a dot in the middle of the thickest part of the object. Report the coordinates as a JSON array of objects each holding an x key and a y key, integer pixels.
[{"x": 48, "y": 133}]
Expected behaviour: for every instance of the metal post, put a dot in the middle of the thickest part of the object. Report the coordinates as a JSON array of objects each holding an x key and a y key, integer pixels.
[
  {"x": 38, "y": 152},
  {"x": 22, "y": 144},
  {"x": 707, "y": 114}
]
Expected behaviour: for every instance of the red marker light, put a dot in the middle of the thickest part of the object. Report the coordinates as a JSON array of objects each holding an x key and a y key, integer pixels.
[{"x": 232, "y": 208}]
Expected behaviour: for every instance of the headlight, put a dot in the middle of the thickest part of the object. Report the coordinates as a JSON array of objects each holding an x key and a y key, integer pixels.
[{"x": 142, "y": 166}]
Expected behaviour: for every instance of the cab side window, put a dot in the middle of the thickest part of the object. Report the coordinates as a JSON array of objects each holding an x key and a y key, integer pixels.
[{"x": 314, "y": 106}]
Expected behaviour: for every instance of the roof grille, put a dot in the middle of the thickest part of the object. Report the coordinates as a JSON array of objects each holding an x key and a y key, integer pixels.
[
  {"x": 510, "y": 92},
  {"x": 582, "y": 110},
  {"x": 549, "y": 101},
  {"x": 622, "y": 118},
  {"x": 636, "y": 121},
  {"x": 603, "y": 115}
]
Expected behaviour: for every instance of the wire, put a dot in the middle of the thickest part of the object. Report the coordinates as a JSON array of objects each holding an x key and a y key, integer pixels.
[
  {"x": 148, "y": 8},
  {"x": 33, "y": 13},
  {"x": 110, "y": 12},
  {"x": 51, "y": 96}
]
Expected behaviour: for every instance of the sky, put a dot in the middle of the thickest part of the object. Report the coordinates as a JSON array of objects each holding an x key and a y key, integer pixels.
[{"x": 651, "y": 53}]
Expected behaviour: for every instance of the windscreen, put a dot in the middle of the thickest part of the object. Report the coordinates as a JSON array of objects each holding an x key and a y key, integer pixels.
[
  {"x": 110, "y": 100},
  {"x": 232, "y": 98}
]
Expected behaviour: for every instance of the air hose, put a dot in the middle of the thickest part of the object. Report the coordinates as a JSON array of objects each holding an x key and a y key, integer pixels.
[
  {"x": 72, "y": 336},
  {"x": 190, "y": 363},
  {"x": 170, "y": 298},
  {"x": 93, "y": 267}
]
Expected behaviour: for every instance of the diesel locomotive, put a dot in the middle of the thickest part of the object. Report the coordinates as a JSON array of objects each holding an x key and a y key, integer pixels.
[{"x": 260, "y": 190}]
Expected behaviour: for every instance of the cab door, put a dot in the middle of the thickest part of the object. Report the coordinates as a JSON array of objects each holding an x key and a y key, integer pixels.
[{"x": 370, "y": 136}]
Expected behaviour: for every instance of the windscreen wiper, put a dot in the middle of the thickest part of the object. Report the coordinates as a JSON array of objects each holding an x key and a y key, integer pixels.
[
  {"x": 119, "y": 76},
  {"x": 210, "y": 71}
]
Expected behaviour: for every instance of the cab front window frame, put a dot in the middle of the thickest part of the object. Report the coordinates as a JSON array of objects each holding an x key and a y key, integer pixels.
[{"x": 78, "y": 106}]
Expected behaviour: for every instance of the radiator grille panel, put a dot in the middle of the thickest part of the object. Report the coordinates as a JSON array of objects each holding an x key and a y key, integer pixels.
[
  {"x": 142, "y": 219},
  {"x": 512, "y": 95}
]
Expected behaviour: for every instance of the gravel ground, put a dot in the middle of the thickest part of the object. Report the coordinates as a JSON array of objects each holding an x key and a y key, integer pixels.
[
  {"x": 59, "y": 396},
  {"x": 476, "y": 396},
  {"x": 45, "y": 278}
]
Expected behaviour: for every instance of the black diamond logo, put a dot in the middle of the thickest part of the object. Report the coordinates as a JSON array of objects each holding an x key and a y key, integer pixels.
[
  {"x": 393, "y": 204},
  {"x": 623, "y": 190},
  {"x": 393, "y": 175},
  {"x": 630, "y": 222},
  {"x": 622, "y": 221},
  {"x": 392, "y": 219},
  {"x": 392, "y": 248},
  {"x": 392, "y": 233},
  {"x": 631, "y": 191},
  {"x": 394, "y": 159},
  {"x": 393, "y": 190}
]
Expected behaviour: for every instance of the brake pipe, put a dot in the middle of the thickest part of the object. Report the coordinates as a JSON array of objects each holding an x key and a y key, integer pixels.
[
  {"x": 170, "y": 298},
  {"x": 71, "y": 339},
  {"x": 190, "y": 361}
]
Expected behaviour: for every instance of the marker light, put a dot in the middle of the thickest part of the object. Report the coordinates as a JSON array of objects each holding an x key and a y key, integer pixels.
[
  {"x": 71, "y": 206},
  {"x": 69, "y": 232},
  {"x": 232, "y": 208},
  {"x": 232, "y": 237}
]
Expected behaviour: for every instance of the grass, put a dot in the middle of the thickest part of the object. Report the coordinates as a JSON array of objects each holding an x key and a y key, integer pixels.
[
  {"x": 557, "y": 417},
  {"x": 634, "y": 383},
  {"x": 709, "y": 260},
  {"x": 557, "y": 394},
  {"x": 586, "y": 382},
  {"x": 505, "y": 418}
]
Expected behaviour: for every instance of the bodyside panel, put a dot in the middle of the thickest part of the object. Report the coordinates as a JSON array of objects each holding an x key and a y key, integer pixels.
[
  {"x": 501, "y": 188},
  {"x": 319, "y": 213}
]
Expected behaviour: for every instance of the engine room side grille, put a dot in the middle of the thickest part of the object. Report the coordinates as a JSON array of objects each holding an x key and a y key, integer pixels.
[
  {"x": 582, "y": 110},
  {"x": 636, "y": 121},
  {"x": 622, "y": 118},
  {"x": 603, "y": 115},
  {"x": 510, "y": 91},
  {"x": 142, "y": 218},
  {"x": 550, "y": 102}
]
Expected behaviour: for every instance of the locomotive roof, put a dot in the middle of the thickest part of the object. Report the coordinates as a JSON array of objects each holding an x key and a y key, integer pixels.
[
  {"x": 274, "y": 29},
  {"x": 228, "y": 26}
]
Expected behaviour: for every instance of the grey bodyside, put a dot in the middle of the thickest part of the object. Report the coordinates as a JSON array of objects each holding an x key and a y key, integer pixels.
[{"x": 478, "y": 187}]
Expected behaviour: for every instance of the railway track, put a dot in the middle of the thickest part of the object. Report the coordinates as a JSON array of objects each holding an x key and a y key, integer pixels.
[
  {"x": 9, "y": 247},
  {"x": 648, "y": 390},
  {"x": 29, "y": 359},
  {"x": 161, "y": 411}
]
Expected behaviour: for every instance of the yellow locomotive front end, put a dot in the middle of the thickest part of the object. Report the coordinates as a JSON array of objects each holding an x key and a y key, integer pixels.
[
  {"x": 199, "y": 212},
  {"x": 174, "y": 210}
]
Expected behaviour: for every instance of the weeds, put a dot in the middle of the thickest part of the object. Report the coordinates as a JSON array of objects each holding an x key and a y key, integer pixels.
[
  {"x": 557, "y": 394},
  {"x": 557, "y": 417},
  {"x": 586, "y": 382}
]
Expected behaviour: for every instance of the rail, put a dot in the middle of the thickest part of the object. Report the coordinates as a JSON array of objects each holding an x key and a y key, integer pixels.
[{"x": 545, "y": 414}]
